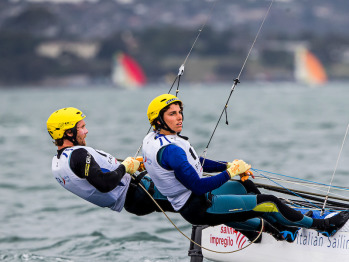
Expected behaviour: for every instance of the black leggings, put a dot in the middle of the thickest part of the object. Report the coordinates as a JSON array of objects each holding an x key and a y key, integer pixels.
[
  {"x": 139, "y": 203},
  {"x": 223, "y": 208}
]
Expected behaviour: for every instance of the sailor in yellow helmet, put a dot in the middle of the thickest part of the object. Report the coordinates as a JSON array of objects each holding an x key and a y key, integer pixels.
[
  {"x": 66, "y": 119},
  {"x": 177, "y": 172},
  {"x": 95, "y": 175},
  {"x": 157, "y": 105}
]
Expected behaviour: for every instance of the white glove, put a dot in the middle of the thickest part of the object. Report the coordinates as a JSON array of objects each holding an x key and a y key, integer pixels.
[{"x": 237, "y": 167}]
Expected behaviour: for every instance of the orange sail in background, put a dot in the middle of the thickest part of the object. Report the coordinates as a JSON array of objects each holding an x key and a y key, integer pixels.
[
  {"x": 127, "y": 73},
  {"x": 308, "y": 69}
]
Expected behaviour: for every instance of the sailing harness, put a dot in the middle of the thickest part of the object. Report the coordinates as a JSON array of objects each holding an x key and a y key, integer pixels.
[{"x": 136, "y": 182}]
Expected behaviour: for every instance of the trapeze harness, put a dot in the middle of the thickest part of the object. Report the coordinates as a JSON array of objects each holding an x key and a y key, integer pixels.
[
  {"x": 234, "y": 203},
  {"x": 125, "y": 194}
]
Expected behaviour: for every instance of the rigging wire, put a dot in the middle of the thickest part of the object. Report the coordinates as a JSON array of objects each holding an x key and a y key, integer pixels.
[
  {"x": 181, "y": 68},
  {"x": 304, "y": 184},
  {"x": 237, "y": 80},
  {"x": 299, "y": 193},
  {"x": 334, "y": 171},
  {"x": 309, "y": 186},
  {"x": 301, "y": 179},
  {"x": 292, "y": 192}
]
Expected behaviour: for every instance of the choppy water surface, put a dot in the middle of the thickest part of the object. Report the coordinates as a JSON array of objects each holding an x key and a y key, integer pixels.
[{"x": 288, "y": 129}]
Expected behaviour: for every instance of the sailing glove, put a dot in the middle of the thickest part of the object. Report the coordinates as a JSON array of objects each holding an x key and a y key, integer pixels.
[
  {"x": 141, "y": 166},
  {"x": 131, "y": 165},
  {"x": 237, "y": 167},
  {"x": 245, "y": 176}
]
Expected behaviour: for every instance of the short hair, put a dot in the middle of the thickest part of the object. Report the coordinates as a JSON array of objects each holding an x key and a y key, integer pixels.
[{"x": 60, "y": 141}]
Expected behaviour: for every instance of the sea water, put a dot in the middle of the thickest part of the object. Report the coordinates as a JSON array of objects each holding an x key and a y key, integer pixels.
[{"x": 283, "y": 128}]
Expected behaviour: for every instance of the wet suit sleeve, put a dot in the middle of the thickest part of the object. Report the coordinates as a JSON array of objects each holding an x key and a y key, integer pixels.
[
  {"x": 174, "y": 158},
  {"x": 211, "y": 166},
  {"x": 103, "y": 181}
]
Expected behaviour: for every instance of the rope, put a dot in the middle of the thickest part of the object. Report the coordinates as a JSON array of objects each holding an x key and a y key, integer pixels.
[{"x": 183, "y": 234}]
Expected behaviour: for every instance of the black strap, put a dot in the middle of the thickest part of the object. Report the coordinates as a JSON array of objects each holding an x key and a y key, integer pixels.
[
  {"x": 209, "y": 199},
  {"x": 151, "y": 189},
  {"x": 134, "y": 183},
  {"x": 184, "y": 137},
  {"x": 137, "y": 180}
]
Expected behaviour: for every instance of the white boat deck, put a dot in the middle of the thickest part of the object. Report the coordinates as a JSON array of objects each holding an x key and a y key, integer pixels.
[{"x": 309, "y": 246}]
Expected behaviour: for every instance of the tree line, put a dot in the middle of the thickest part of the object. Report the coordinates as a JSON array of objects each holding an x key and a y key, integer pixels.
[{"x": 153, "y": 48}]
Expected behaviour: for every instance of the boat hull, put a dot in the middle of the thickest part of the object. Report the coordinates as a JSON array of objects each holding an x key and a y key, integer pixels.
[{"x": 309, "y": 246}]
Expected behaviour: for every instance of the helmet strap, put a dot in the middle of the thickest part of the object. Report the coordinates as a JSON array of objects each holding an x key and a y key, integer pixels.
[
  {"x": 164, "y": 126},
  {"x": 73, "y": 137}
]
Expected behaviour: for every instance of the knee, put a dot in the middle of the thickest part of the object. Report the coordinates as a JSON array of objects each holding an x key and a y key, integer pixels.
[
  {"x": 267, "y": 198},
  {"x": 250, "y": 187}
]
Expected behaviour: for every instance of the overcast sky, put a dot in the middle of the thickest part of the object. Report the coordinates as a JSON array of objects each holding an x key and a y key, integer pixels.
[
  {"x": 63, "y": 1},
  {"x": 75, "y": 1}
]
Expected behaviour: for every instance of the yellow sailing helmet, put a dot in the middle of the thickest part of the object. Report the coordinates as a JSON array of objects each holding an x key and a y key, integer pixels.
[
  {"x": 158, "y": 103},
  {"x": 62, "y": 120}
]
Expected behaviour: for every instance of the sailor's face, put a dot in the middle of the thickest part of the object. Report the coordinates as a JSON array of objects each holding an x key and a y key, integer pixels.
[
  {"x": 173, "y": 118},
  {"x": 81, "y": 133}
]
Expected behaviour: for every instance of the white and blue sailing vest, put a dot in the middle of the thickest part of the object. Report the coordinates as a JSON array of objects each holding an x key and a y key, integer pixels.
[
  {"x": 114, "y": 199},
  {"x": 163, "y": 179}
]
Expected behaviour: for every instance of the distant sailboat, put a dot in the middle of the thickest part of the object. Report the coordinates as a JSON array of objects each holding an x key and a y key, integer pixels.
[
  {"x": 127, "y": 73},
  {"x": 308, "y": 68}
]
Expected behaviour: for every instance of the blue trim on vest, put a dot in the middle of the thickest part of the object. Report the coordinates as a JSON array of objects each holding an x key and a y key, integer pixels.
[
  {"x": 160, "y": 136},
  {"x": 167, "y": 139}
]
